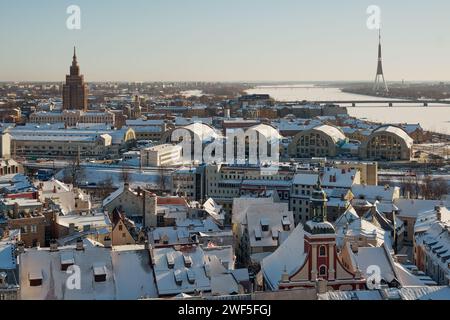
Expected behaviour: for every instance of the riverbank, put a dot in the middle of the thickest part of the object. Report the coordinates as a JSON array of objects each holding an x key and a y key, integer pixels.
[{"x": 434, "y": 118}]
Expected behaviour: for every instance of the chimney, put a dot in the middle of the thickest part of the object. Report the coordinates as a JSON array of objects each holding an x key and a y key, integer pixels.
[
  {"x": 71, "y": 229},
  {"x": 16, "y": 211},
  {"x": 355, "y": 247},
  {"x": 107, "y": 242},
  {"x": 20, "y": 247},
  {"x": 80, "y": 245},
  {"x": 53, "y": 246}
]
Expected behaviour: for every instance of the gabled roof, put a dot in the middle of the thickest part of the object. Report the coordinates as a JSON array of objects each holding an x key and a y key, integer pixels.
[
  {"x": 53, "y": 287},
  {"x": 288, "y": 258},
  {"x": 113, "y": 196},
  {"x": 347, "y": 217}
]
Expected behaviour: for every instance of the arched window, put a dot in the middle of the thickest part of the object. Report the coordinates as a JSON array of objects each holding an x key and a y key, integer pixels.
[
  {"x": 322, "y": 251},
  {"x": 323, "y": 270}
]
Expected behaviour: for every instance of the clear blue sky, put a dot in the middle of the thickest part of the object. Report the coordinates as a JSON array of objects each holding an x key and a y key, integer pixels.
[{"x": 224, "y": 40}]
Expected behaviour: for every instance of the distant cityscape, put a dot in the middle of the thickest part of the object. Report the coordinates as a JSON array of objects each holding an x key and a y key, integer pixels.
[{"x": 103, "y": 199}]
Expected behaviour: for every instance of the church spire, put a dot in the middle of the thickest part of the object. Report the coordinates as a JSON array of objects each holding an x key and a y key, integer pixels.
[{"x": 319, "y": 202}]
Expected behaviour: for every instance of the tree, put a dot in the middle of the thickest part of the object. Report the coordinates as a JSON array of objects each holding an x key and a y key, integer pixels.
[
  {"x": 440, "y": 188},
  {"x": 434, "y": 189},
  {"x": 426, "y": 188},
  {"x": 125, "y": 175},
  {"x": 410, "y": 187},
  {"x": 162, "y": 181},
  {"x": 105, "y": 187}
]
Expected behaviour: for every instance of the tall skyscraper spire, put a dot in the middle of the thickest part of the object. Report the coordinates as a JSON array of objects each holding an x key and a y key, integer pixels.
[
  {"x": 75, "y": 91},
  {"x": 74, "y": 54},
  {"x": 380, "y": 82}
]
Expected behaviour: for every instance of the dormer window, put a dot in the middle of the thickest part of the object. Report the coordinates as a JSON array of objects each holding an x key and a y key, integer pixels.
[
  {"x": 99, "y": 273},
  {"x": 156, "y": 238},
  {"x": 191, "y": 276},
  {"x": 35, "y": 277},
  {"x": 258, "y": 234},
  {"x": 187, "y": 261},
  {"x": 67, "y": 260},
  {"x": 170, "y": 261},
  {"x": 265, "y": 225},
  {"x": 286, "y": 223},
  {"x": 275, "y": 234},
  {"x": 178, "y": 275}
]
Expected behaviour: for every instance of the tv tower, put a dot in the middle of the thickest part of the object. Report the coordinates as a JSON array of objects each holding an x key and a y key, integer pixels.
[{"x": 380, "y": 82}]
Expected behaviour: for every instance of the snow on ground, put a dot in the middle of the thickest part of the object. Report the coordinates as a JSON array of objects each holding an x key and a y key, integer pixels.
[{"x": 93, "y": 175}]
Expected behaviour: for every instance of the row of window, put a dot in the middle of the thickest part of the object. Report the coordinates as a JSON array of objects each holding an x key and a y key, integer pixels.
[{"x": 26, "y": 229}]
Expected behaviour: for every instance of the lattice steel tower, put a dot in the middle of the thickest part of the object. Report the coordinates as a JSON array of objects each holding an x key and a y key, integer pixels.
[{"x": 380, "y": 82}]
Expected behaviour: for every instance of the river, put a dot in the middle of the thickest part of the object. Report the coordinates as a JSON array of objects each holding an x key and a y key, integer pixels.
[{"x": 433, "y": 118}]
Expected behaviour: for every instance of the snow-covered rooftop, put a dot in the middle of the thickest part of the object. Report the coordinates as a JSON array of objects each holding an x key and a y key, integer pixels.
[
  {"x": 128, "y": 274},
  {"x": 396, "y": 131},
  {"x": 288, "y": 258}
]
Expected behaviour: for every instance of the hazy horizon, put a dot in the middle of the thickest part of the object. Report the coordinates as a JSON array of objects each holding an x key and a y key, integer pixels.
[{"x": 252, "y": 41}]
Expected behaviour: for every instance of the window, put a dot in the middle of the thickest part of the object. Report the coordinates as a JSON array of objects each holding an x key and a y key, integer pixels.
[
  {"x": 124, "y": 235},
  {"x": 323, "y": 271},
  {"x": 120, "y": 227},
  {"x": 33, "y": 229},
  {"x": 322, "y": 251}
]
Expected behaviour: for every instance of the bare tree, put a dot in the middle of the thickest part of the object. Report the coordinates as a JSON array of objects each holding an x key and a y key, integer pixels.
[
  {"x": 67, "y": 176},
  {"x": 162, "y": 181},
  {"x": 410, "y": 187},
  {"x": 434, "y": 189},
  {"x": 426, "y": 187},
  {"x": 125, "y": 175},
  {"x": 440, "y": 188},
  {"x": 106, "y": 186}
]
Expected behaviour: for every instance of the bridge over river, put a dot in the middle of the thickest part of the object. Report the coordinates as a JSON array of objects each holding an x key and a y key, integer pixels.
[{"x": 377, "y": 103}]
